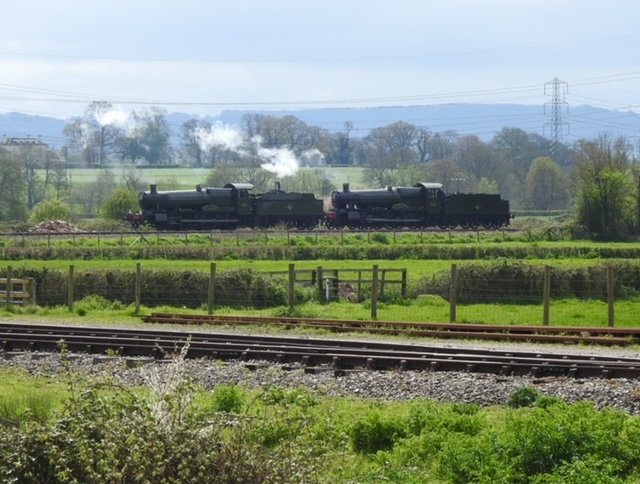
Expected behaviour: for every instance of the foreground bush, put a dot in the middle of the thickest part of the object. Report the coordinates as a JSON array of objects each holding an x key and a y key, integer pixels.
[
  {"x": 173, "y": 432},
  {"x": 108, "y": 434}
]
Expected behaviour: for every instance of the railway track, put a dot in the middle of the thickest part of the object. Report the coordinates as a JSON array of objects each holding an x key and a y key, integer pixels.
[
  {"x": 310, "y": 354},
  {"x": 543, "y": 334},
  {"x": 232, "y": 233}
]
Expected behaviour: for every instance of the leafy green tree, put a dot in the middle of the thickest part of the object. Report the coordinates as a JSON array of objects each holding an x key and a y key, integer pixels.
[
  {"x": 519, "y": 149},
  {"x": 396, "y": 142},
  {"x": 88, "y": 197},
  {"x": 441, "y": 145},
  {"x": 150, "y": 137},
  {"x": 309, "y": 181},
  {"x": 388, "y": 149},
  {"x": 487, "y": 186},
  {"x": 119, "y": 203},
  {"x": 478, "y": 160},
  {"x": 341, "y": 146},
  {"x": 408, "y": 176},
  {"x": 50, "y": 210},
  {"x": 224, "y": 173},
  {"x": 13, "y": 194},
  {"x": 448, "y": 173},
  {"x": 605, "y": 200},
  {"x": 546, "y": 186},
  {"x": 286, "y": 132}
]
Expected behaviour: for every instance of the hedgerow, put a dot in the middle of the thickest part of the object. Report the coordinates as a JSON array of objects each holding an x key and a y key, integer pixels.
[
  {"x": 508, "y": 280},
  {"x": 295, "y": 251}
]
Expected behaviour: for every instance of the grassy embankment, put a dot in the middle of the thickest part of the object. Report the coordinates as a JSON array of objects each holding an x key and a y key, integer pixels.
[{"x": 172, "y": 431}]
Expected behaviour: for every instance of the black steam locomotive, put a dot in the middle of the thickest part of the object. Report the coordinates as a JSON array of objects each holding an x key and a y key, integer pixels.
[
  {"x": 422, "y": 205},
  {"x": 235, "y": 206},
  {"x": 227, "y": 208}
]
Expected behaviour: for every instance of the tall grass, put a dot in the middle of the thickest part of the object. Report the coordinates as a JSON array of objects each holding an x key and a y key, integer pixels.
[{"x": 23, "y": 397}]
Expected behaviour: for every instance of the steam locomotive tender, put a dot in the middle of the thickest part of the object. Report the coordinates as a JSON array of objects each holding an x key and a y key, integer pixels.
[
  {"x": 422, "y": 205},
  {"x": 227, "y": 208}
]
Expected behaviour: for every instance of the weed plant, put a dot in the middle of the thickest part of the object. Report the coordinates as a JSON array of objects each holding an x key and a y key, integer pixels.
[{"x": 174, "y": 431}]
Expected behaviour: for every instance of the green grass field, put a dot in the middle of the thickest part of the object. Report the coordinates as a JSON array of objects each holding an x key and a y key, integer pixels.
[{"x": 190, "y": 177}]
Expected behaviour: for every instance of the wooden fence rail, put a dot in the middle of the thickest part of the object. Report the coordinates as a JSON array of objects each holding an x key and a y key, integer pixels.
[
  {"x": 18, "y": 291},
  {"x": 328, "y": 281}
]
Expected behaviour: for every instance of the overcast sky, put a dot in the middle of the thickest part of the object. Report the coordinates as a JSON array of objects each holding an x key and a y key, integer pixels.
[{"x": 203, "y": 56}]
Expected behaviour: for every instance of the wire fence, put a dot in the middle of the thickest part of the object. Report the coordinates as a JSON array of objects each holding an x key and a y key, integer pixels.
[{"x": 603, "y": 294}]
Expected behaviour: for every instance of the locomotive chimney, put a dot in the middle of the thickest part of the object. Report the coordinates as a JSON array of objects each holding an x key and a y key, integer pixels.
[
  {"x": 153, "y": 188},
  {"x": 345, "y": 187},
  {"x": 278, "y": 185},
  {"x": 198, "y": 188}
]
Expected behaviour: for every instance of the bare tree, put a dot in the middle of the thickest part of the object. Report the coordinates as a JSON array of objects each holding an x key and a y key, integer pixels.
[
  {"x": 96, "y": 135},
  {"x": 190, "y": 135}
]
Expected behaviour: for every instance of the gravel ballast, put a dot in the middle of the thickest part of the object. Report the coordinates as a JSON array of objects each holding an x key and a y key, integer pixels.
[{"x": 482, "y": 389}]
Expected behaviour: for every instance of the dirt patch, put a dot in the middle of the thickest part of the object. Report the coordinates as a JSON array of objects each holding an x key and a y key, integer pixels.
[{"x": 54, "y": 227}]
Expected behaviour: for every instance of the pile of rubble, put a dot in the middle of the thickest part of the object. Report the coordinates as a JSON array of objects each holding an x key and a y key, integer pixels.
[{"x": 54, "y": 227}]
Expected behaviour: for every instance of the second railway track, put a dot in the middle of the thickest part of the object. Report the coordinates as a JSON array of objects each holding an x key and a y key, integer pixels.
[{"x": 543, "y": 334}]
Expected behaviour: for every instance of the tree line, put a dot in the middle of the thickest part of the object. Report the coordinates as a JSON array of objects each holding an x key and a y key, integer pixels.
[{"x": 595, "y": 179}]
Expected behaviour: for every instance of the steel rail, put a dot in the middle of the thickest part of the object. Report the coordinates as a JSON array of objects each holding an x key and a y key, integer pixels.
[
  {"x": 310, "y": 354},
  {"x": 559, "y": 334},
  {"x": 247, "y": 231}
]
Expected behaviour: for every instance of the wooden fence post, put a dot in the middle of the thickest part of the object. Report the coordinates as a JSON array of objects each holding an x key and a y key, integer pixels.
[
  {"x": 319, "y": 281},
  {"x": 403, "y": 285},
  {"x": 9, "y": 285},
  {"x": 71, "y": 284},
  {"x": 212, "y": 286},
  {"x": 292, "y": 282},
  {"x": 611, "y": 296},
  {"x": 546, "y": 296},
  {"x": 374, "y": 294},
  {"x": 453, "y": 291},
  {"x": 32, "y": 290},
  {"x": 138, "y": 282}
]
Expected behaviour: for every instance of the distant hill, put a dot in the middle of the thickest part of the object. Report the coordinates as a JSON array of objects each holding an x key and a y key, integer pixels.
[
  {"x": 484, "y": 120},
  {"x": 17, "y": 125}
]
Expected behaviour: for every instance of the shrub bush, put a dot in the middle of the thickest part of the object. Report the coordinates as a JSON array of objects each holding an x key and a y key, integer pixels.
[
  {"x": 524, "y": 397},
  {"x": 375, "y": 432},
  {"x": 106, "y": 433}
]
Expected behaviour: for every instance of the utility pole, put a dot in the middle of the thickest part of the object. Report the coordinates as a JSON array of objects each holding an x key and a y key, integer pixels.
[{"x": 556, "y": 126}]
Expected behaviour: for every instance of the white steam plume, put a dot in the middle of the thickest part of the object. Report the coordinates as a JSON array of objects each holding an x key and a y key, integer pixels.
[
  {"x": 281, "y": 161},
  {"x": 220, "y": 136},
  {"x": 114, "y": 117}
]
